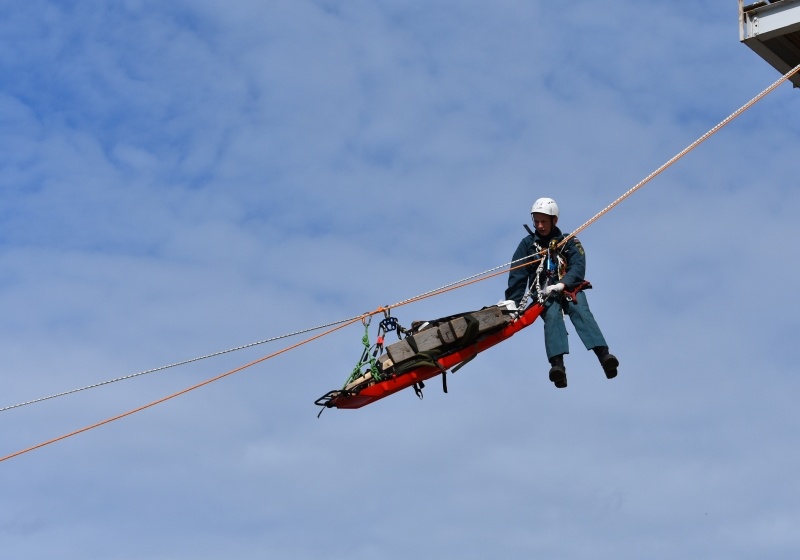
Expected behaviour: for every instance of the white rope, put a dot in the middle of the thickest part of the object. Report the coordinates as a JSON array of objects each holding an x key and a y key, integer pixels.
[
  {"x": 220, "y": 353},
  {"x": 215, "y": 354},
  {"x": 683, "y": 152},
  {"x": 237, "y": 348},
  {"x": 462, "y": 281},
  {"x": 446, "y": 286}
]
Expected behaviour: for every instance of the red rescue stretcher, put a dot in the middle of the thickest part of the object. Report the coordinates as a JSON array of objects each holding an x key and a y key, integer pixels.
[{"x": 399, "y": 370}]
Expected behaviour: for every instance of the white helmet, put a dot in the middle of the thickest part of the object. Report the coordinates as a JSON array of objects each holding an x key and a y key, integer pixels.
[{"x": 545, "y": 206}]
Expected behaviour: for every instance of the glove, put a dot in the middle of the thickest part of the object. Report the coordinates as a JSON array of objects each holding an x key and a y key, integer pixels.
[{"x": 553, "y": 290}]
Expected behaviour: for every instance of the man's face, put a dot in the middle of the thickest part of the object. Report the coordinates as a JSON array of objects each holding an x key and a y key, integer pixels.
[{"x": 543, "y": 224}]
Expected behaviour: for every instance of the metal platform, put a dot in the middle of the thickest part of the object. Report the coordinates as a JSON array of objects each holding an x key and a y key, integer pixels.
[{"x": 772, "y": 30}]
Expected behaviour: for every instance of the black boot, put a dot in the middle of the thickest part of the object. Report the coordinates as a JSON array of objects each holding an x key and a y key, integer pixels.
[
  {"x": 558, "y": 373},
  {"x": 608, "y": 362}
]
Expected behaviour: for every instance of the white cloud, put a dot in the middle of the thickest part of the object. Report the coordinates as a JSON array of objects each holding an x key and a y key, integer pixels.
[{"x": 177, "y": 180}]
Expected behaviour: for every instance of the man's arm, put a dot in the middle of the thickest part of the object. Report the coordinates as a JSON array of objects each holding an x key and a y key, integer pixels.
[
  {"x": 518, "y": 277},
  {"x": 576, "y": 264}
]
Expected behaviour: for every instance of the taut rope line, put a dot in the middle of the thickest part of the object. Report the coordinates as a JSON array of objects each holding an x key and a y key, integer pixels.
[
  {"x": 346, "y": 322},
  {"x": 683, "y": 152},
  {"x": 177, "y": 394}
]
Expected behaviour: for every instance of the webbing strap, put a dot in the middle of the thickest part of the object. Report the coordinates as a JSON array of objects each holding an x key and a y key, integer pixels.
[
  {"x": 366, "y": 359},
  {"x": 572, "y": 294}
]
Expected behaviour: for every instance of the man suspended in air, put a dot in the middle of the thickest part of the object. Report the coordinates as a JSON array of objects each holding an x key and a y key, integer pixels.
[{"x": 555, "y": 278}]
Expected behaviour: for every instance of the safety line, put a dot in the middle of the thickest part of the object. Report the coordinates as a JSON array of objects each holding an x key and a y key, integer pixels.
[
  {"x": 683, "y": 152},
  {"x": 490, "y": 273},
  {"x": 448, "y": 287},
  {"x": 177, "y": 394},
  {"x": 341, "y": 324},
  {"x": 176, "y": 364},
  {"x": 485, "y": 275},
  {"x": 452, "y": 286}
]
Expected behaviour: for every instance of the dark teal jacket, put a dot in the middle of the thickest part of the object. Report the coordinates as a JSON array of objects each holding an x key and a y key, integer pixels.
[{"x": 520, "y": 278}]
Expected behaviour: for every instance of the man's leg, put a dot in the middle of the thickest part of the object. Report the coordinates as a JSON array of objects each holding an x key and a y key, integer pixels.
[
  {"x": 589, "y": 332},
  {"x": 555, "y": 342}
]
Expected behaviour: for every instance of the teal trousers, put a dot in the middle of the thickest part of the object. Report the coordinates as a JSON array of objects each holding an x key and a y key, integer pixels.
[{"x": 555, "y": 331}]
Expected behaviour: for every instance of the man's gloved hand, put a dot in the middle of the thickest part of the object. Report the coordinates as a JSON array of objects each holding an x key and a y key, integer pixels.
[{"x": 555, "y": 289}]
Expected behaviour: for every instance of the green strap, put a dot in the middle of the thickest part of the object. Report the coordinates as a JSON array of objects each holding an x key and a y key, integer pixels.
[{"x": 366, "y": 359}]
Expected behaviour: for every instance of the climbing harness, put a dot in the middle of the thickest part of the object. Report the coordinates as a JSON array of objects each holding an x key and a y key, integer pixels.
[
  {"x": 572, "y": 295},
  {"x": 552, "y": 268}
]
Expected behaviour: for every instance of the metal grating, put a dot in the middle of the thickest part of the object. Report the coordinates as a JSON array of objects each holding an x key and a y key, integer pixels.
[{"x": 772, "y": 30}]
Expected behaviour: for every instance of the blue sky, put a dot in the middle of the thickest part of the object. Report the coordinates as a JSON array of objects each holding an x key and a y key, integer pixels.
[{"x": 181, "y": 178}]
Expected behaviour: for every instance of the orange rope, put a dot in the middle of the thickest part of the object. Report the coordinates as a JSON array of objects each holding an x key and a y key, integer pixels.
[
  {"x": 377, "y": 311},
  {"x": 683, "y": 152},
  {"x": 179, "y": 393},
  {"x": 430, "y": 294},
  {"x": 459, "y": 285}
]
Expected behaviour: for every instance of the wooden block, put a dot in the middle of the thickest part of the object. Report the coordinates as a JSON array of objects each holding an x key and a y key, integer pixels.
[
  {"x": 358, "y": 381},
  {"x": 400, "y": 351},
  {"x": 385, "y": 361},
  {"x": 459, "y": 326},
  {"x": 427, "y": 340},
  {"x": 490, "y": 318},
  {"x": 446, "y": 333}
]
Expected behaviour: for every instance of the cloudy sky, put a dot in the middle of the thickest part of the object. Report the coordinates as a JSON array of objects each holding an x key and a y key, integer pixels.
[{"x": 179, "y": 178}]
